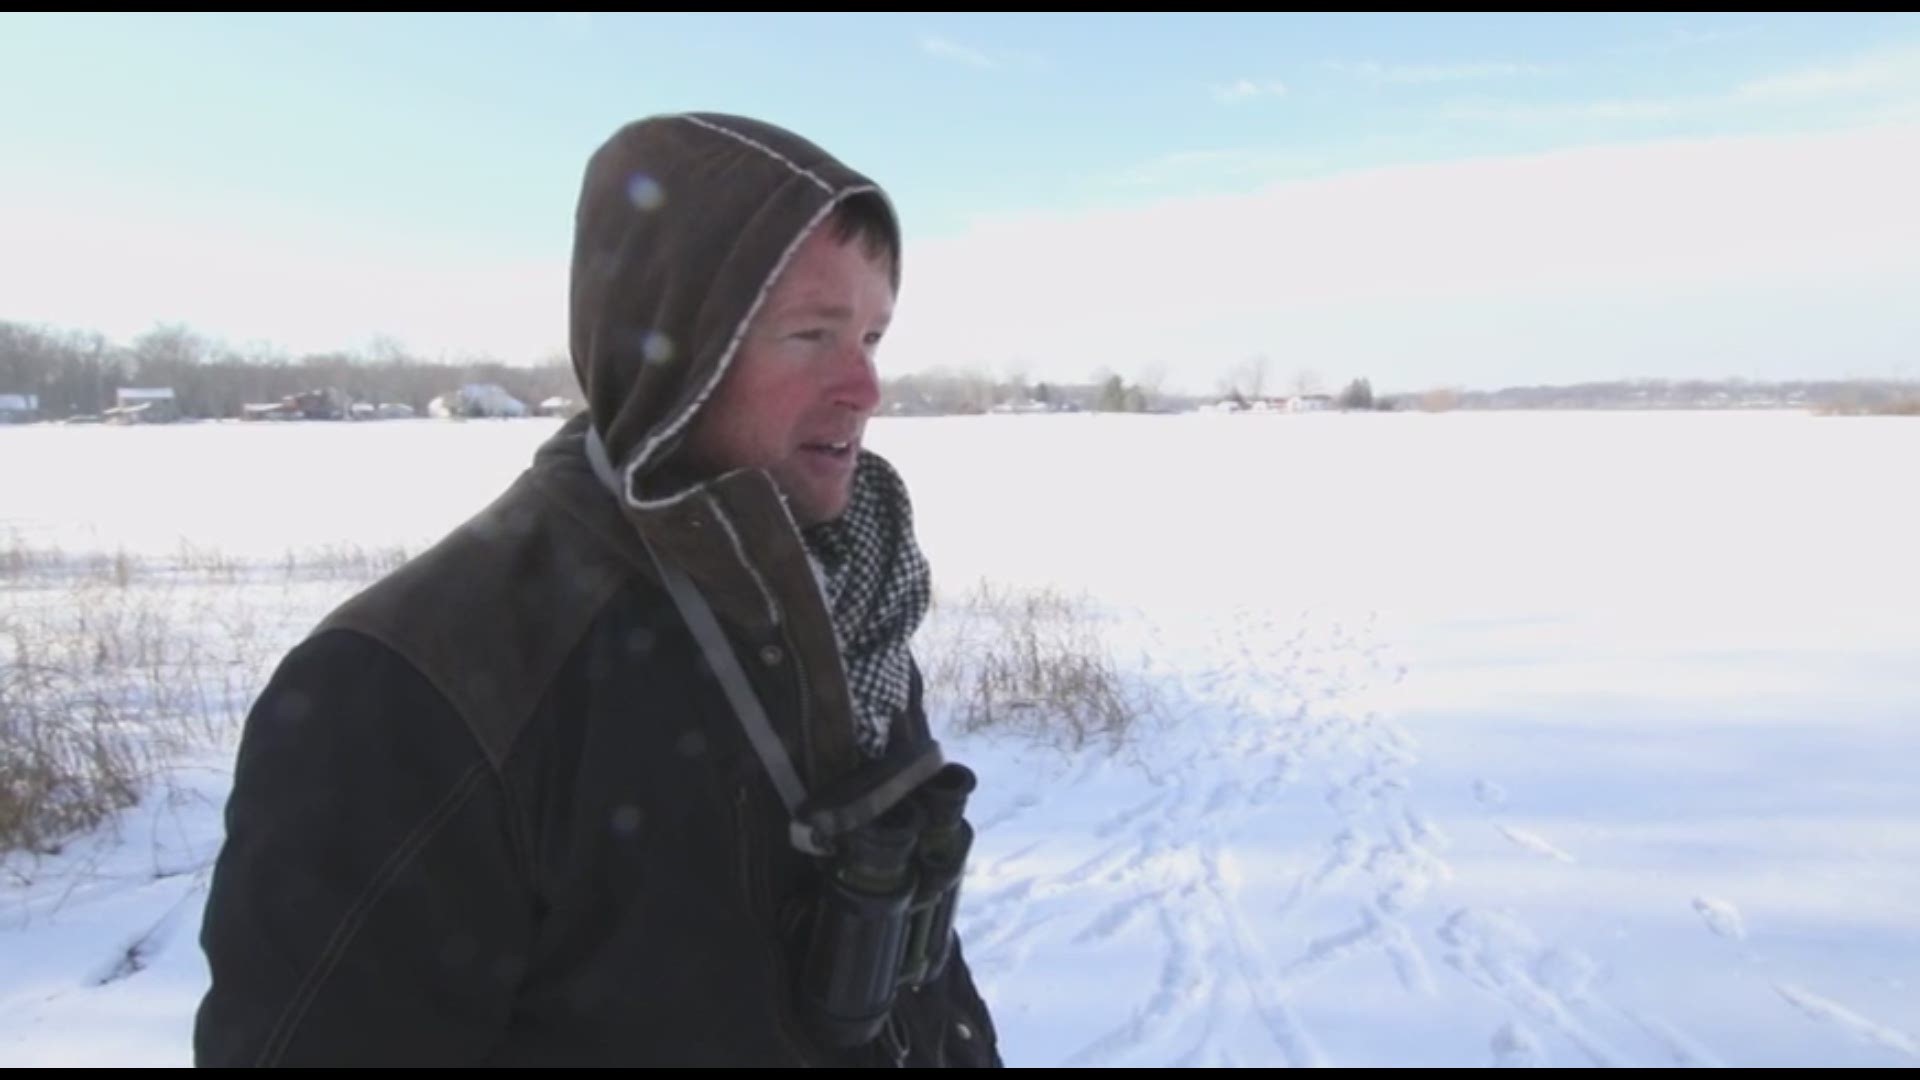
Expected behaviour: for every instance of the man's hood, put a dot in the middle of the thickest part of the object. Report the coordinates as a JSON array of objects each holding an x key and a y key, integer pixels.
[{"x": 683, "y": 224}]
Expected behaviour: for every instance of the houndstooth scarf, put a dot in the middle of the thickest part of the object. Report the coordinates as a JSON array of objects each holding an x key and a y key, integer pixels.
[
  {"x": 876, "y": 583},
  {"x": 878, "y": 587}
]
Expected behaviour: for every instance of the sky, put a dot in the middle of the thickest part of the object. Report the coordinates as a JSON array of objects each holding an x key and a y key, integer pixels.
[{"x": 1422, "y": 200}]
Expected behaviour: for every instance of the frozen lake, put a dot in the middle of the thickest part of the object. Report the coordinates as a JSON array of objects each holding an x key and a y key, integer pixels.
[{"x": 1569, "y": 738}]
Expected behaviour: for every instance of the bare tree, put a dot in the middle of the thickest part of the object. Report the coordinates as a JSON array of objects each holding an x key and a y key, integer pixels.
[
  {"x": 1257, "y": 376},
  {"x": 1152, "y": 384}
]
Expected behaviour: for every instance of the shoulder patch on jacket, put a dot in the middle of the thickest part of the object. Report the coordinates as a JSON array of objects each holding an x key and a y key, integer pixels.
[{"x": 491, "y": 612}]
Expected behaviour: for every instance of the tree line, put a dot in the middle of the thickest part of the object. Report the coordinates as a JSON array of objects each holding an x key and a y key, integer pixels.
[{"x": 77, "y": 373}]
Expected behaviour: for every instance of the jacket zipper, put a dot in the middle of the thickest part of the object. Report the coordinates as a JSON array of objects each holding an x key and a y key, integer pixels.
[{"x": 806, "y": 705}]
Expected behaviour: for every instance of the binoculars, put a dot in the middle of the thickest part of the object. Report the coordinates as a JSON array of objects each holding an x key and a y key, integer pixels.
[{"x": 883, "y": 915}]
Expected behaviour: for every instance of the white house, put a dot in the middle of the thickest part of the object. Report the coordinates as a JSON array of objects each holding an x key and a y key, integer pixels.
[
  {"x": 477, "y": 400},
  {"x": 143, "y": 405},
  {"x": 19, "y": 408}
]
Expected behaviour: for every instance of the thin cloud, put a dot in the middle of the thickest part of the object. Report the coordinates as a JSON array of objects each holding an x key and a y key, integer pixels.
[
  {"x": 1240, "y": 164},
  {"x": 1331, "y": 265},
  {"x": 1241, "y": 90},
  {"x": 1881, "y": 72},
  {"x": 1886, "y": 81},
  {"x": 305, "y": 287},
  {"x": 948, "y": 49},
  {"x": 1373, "y": 71},
  {"x": 1561, "y": 112},
  {"x": 1683, "y": 38}
]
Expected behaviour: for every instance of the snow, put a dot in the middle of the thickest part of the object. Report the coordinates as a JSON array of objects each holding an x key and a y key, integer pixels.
[{"x": 1473, "y": 739}]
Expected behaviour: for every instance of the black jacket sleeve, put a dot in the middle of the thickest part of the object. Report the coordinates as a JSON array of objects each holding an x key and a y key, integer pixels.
[{"x": 370, "y": 905}]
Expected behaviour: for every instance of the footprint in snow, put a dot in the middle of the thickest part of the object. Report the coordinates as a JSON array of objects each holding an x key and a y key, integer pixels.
[{"x": 1721, "y": 917}]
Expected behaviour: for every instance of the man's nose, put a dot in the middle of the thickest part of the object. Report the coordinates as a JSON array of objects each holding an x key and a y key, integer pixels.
[{"x": 857, "y": 381}]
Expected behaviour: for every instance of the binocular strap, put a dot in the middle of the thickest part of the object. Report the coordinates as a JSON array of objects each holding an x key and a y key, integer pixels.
[{"x": 726, "y": 666}]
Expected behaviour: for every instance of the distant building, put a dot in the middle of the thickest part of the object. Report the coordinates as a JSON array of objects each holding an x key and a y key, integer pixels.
[
  {"x": 559, "y": 406},
  {"x": 143, "y": 405},
  {"x": 19, "y": 408},
  {"x": 310, "y": 405},
  {"x": 328, "y": 404},
  {"x": 1024, "y": 406},
  {"x": 477, "y": 400},
  {"x": 391, "y": 410}
]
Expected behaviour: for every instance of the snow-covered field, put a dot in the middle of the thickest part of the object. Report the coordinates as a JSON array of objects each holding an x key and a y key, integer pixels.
[{"x": 1532, "y": 738}]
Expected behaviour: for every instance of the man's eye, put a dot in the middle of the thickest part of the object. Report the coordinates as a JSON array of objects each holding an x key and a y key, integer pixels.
[
  {"x": 874, "y": 338},
  {"x": 809, "y": 335}
]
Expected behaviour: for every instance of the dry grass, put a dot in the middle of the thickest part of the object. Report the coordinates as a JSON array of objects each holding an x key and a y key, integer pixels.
[
  {"x": 343, "y": 562},
  {"x": 67, "y": 760},
  {"x": 114, "y": 665},
  {"x": 1909, "y": 406},
  {"x": 75, "y": 744},
  {"x": 26, "y": 564},
  {"x": 1031, "y": 664}
]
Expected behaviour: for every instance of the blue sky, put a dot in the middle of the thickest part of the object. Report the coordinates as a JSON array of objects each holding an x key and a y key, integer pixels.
[{"x": 1424, "y": 200}]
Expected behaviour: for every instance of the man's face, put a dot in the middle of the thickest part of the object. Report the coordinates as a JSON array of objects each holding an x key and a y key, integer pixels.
[{"x": 796, "y": 399}]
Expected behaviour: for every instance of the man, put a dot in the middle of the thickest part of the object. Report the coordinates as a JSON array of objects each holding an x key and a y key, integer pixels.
[{"x": 574, "y": 786}]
